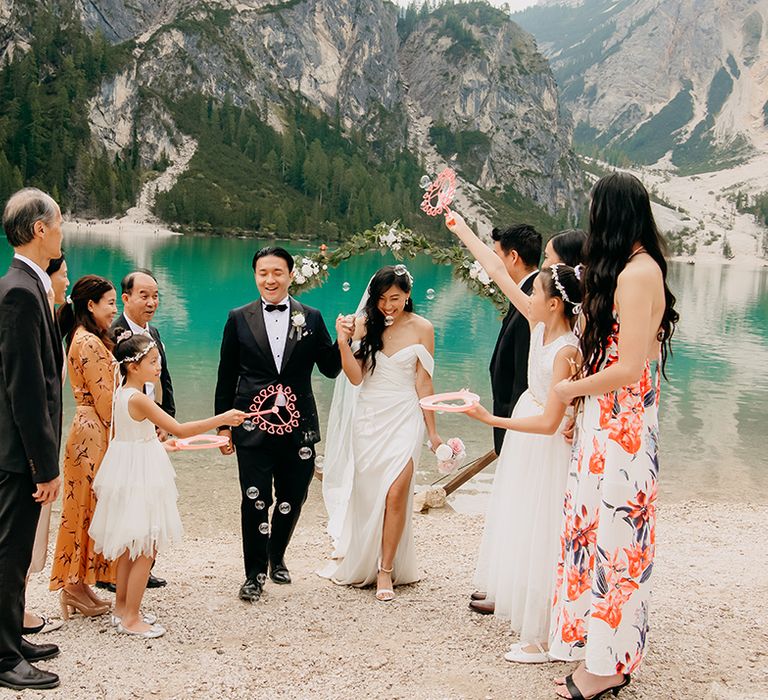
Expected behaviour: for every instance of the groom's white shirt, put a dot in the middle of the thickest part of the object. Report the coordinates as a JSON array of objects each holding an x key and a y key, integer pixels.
[
  {"x": 276, "y": 325},
  {"x": 136, "y": 329}
]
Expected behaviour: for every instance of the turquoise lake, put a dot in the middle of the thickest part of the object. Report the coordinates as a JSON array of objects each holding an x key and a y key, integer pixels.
[{"x": 714, "y": 440}]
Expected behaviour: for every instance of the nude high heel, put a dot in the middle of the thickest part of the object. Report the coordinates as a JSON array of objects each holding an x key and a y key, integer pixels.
[
  {"x": 384, "y": 595},
  {"x": 69, "y": 604}
]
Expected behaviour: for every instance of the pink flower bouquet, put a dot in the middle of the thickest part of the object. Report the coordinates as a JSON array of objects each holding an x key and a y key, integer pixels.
[{"x": 449, "y": 454}]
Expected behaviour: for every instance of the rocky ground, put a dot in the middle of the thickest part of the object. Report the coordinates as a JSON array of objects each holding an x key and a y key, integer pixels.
[{"x": 316, "y": 640}]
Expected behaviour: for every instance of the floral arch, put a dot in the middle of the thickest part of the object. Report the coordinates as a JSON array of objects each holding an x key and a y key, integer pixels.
[{"x": 312, "y": 270}]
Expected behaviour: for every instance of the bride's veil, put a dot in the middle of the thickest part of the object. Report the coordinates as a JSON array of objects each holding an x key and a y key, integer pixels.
[{"x": 339, "y": 465}]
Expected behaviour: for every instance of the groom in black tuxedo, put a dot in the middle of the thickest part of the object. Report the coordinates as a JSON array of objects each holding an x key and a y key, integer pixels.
[
  {"x": 31, "y": 357},
  {"x": 274, "y": 340}
]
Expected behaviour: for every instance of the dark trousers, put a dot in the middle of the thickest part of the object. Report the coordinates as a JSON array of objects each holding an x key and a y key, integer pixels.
[
  {"x": 276, "y": 461},
  {"x": 504, "y": 410},
  {"x": 18, "y": 521}
]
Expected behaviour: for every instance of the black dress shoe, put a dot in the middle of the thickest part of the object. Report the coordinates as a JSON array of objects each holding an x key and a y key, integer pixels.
[
  {"x": 279, "y": 573},
  {"x": 33, "y": 630},
  {"x": 106, "y": 586},
  {"x": 24, "y": 675},
  {"x": 38, "y": 652},
  {"x": 250, "y": 591},
  {"x": 155, "y": 582}
]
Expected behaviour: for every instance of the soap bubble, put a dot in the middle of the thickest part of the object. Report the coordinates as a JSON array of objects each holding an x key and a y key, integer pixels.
[
  {"x": 264, "y": 528},
  {"x": 252, "y": 492},
  {"x": 305, "y": 453},
  {"x": 249, "y": 425},
  {"x": 346, "y": 286},
  {"x": 319, "y": 463},
  {"x": 388, "y": 320},
  {"x": 262, "y": 579},
  {"x": 280, "y": 400},
  {"x": 259, "y": 505},
  {"x": 425, "y": 183},
  {"x": 400, "y": 270},
  {"x": 430, "y": 294},
  {"x": 284, "y": 508}
]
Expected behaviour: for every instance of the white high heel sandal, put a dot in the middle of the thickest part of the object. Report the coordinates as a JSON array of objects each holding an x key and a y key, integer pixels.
[{"x": 384, "y": 595}]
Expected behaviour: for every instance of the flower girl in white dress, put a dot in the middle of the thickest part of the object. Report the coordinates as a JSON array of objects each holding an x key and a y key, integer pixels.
[
  {"x": 136, "y": 514},
  {"x": 519, "y": 551}
]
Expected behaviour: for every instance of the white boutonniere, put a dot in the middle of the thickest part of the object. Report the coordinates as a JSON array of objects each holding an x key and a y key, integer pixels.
[{"x": 298, "y": 324}]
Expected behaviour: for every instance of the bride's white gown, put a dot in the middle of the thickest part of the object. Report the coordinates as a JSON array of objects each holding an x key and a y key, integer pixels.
[{"x": 387, "y": 431}]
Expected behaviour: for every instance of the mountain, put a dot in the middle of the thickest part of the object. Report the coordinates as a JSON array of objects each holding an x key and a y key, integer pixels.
[
  {"x": 305, "y": 113},
  {"x": 652, "y": 79}
]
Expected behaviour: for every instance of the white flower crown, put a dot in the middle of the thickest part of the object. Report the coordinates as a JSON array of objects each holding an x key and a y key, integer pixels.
[
  {"x": 576, "y": 307},
  {"x": 139, "y": 355}
]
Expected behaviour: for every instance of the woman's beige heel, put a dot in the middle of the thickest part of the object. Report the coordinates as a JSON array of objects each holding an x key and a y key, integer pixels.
[
  {"x": 384, "y": 595},
  {"x": 70, "y": 604}
]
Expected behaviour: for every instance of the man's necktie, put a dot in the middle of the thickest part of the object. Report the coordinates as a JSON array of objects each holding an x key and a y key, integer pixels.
[{"x": 275, "y": 307}]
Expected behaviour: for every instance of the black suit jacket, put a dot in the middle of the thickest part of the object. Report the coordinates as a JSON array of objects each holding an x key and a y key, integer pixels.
[
  {"x": 119, "y": 325},
  {"x": 31, "y": 357},
  {"x": 509, "y": 364},
  {"x": 246, "y": 366}
]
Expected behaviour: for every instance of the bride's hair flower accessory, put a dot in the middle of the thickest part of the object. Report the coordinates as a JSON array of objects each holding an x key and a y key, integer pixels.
[
  {"x": 403, "y": 270},
  {"x": 69, "y": 301},
  {"x": 575, "y": 307}
]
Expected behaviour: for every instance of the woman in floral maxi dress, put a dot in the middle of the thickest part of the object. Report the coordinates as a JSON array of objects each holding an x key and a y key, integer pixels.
[{"x": 600, "y": 614}]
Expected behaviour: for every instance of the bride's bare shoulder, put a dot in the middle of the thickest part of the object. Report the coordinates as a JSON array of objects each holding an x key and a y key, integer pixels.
[{"x": 421, "y": 323}]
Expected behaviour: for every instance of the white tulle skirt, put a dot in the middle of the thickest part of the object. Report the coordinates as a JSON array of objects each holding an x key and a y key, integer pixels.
[
  {"x": 136, "y": 501},
  {"x": 519, "y": 550}
]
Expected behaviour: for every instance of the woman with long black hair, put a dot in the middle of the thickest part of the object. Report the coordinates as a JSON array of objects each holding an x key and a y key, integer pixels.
[
  {"x": 388, "y": 354},
  {"x": 608, "y": 535}
]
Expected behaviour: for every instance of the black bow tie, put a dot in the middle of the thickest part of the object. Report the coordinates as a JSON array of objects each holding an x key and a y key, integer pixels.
[{"x": 275, "y": 307}]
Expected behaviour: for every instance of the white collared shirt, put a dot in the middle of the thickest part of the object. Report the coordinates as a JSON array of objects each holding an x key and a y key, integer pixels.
[
  {"x": 42, "y": 274},
  {"x": 149, "y": 387},
  {"x": 526, "y": 278},
  {"x": 276, "y": 325}
]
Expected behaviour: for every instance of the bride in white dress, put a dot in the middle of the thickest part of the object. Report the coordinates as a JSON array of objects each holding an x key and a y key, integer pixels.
[{"x": 376, "y": 432}]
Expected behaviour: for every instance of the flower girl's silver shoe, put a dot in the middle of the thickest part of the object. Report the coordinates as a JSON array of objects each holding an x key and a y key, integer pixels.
[
  {"x": 153, "y": 632},
  {"x": 149, "y": 618}
]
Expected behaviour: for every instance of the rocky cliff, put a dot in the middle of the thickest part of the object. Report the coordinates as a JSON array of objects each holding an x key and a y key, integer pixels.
[
  {"x": 682, "y": 79},
  {"x": 480, "y": 77},
  {"x": 345, "y": 59}
]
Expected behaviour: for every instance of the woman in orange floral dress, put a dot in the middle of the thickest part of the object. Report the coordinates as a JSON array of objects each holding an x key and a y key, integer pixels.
[
  {"x": 608, "y": 538},
  {"x": 85, "y": 323}
]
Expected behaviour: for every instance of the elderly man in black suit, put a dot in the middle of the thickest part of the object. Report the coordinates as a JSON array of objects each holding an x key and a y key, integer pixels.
[
  {"x": 272, "y": 341},
  {"x": 141, "y": 298},
  {"x": 520, "y": 248},
  {"x": 31, "y": 358}
]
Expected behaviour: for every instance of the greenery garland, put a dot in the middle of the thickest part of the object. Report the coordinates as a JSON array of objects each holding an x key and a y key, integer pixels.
[{"x": 312, "y": 270}]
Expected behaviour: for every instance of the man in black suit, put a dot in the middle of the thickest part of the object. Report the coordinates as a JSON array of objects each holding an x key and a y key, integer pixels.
[
  {"x": 141, "y": 298},
  {"x": 269, "y": 342},
  {"x": 31, "y": 358},
  {"x": 520, "y": 248}
]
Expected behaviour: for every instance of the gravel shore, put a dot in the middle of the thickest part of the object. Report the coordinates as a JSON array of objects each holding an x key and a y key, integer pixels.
[{"x": 313, "y": 639}]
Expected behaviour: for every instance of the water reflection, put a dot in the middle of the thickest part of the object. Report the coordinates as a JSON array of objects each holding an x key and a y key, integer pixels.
[{"x": 714, "y": 441}]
